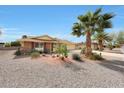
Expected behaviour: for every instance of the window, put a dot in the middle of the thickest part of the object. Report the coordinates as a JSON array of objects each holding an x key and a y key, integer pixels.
[{"x": 38, "y": 45}]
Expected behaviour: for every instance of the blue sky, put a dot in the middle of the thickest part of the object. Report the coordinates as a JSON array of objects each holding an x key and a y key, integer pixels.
[{"x": 55, "y": 21}]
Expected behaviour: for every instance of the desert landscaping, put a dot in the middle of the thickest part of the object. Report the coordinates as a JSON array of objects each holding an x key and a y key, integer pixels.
[
  {"x": 51, "y": 72},
  {"x": 82, "y": 51}
]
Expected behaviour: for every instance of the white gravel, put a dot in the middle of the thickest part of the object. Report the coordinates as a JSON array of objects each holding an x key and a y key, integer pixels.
[{"x": 25, "y": 72}]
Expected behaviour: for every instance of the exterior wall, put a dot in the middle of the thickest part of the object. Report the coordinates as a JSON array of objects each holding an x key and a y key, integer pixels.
[
  {"x": 47, "y": 47},
  {"x": 26, "y": 45}
]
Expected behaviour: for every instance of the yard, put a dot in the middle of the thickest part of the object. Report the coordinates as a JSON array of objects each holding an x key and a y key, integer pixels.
[{"x": 50, "y": 72}]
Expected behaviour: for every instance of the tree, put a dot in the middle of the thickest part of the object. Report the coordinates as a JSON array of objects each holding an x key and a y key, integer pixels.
[
  {"x": 104, "y": 22},
  {"x": 102, "y": 37},
  {"x": 87, "y": 26},
  {"x": 120, "y": 37},
  {"x": 24, "y": 36},
  {"x": 113, "y": 36},
  {"x": 15, "y": 43}
]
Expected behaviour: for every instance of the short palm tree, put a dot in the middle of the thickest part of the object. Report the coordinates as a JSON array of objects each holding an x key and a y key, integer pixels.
[
  {"x": 103, "y": 23},
  {"x": 101, "y": 37},
  {"x": 87, "y": 26}
]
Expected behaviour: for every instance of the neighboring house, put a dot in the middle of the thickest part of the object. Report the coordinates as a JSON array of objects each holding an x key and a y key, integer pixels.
[
  {"x": 94, "y": 45},
  {"x": 79, "y": 45},
  {"x": 44, "y": 43},
  {"x": 1, "y": 45}
]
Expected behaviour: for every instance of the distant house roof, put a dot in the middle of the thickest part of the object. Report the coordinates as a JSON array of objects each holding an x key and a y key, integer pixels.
[
  {"x": 64, "y": 41},
  {"x": 45, "y": 38},
  {"x": 80, "y": 43}
]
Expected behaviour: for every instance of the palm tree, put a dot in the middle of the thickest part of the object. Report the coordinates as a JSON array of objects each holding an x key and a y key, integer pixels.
[
  {"x": 102, "y": 37},
  {"x": 24, "y": 36},
  {"x": 104, "y": 22},
  {"x": 87, "y": 26}
]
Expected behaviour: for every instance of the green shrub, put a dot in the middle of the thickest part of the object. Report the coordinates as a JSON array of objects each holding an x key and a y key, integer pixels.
[
  {"x": 62, "y": 50},
  {"x": 95, "y": 56},
  {"x": 15, "y": 43},
  {"x": 110, "y": 46},
  {"x": 7, "y": 45},
  {"x": 35, "y": 54},
  {"x": 76, "y": 57},
  {"x": 117, "y": 45},
  {"x": 29, "y": 52},
  {"x": 18, "y": 52}
]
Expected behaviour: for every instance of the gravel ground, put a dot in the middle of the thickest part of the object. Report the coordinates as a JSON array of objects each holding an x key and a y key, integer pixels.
[{"x": 50, "y": 72}]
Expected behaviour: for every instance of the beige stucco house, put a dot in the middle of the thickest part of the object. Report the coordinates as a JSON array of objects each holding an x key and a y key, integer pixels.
[{"x": 44, "y": 43}]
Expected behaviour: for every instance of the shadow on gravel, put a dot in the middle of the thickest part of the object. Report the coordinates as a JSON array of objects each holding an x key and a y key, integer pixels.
[
  {"x": 115, "y": 65},
  {"x": 19, "y": 57},
  {"x": 71, "y": 65}
]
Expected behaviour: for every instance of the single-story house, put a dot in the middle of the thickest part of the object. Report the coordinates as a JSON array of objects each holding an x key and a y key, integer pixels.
[{"x": 45, "y": 43}]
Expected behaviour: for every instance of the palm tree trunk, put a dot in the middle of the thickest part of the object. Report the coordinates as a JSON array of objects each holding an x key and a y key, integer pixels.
[
  {"x": 100, "y": 45},
  {"x": 88, "y": 51}
]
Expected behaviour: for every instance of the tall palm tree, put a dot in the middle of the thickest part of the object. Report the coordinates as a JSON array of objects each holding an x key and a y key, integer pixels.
[
  {"x": 87, "y": 26},
  {"x": 104, "y": 22},
  {"x": 101, "y": 37}
]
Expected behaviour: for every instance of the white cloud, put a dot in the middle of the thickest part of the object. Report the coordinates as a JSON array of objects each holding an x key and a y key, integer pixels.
[{"x": 11, "y": 34}]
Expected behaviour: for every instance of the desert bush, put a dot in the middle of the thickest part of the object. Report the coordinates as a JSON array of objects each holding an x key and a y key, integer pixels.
[
  {"x": 95, "y": 56},
  {"x": 76, "y": 57},
  {"x": 18, "y": 52},
  {"x": 35, "y": 54}
]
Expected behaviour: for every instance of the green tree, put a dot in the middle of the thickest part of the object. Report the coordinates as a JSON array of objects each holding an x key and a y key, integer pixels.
[
  {"x": 113, "y": 36},
  {"x": 104, "y": 22},
  {"x": 24, "y": 36},
  {"x": 101, "y": 37},
  {"x": 120, "y": 37},
  {"x": 87, "y": 26},
  {"x": 15, "y": 43}
]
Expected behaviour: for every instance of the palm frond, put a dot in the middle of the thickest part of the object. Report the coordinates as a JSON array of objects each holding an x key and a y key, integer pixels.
[
  {"x": 76, "y": 30},
  {"x": 102, "y": 36},
  {"x": 108, "y": 16},
  {"x": 83, "y": 18},
  {"x": 98, "y": 11}
]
